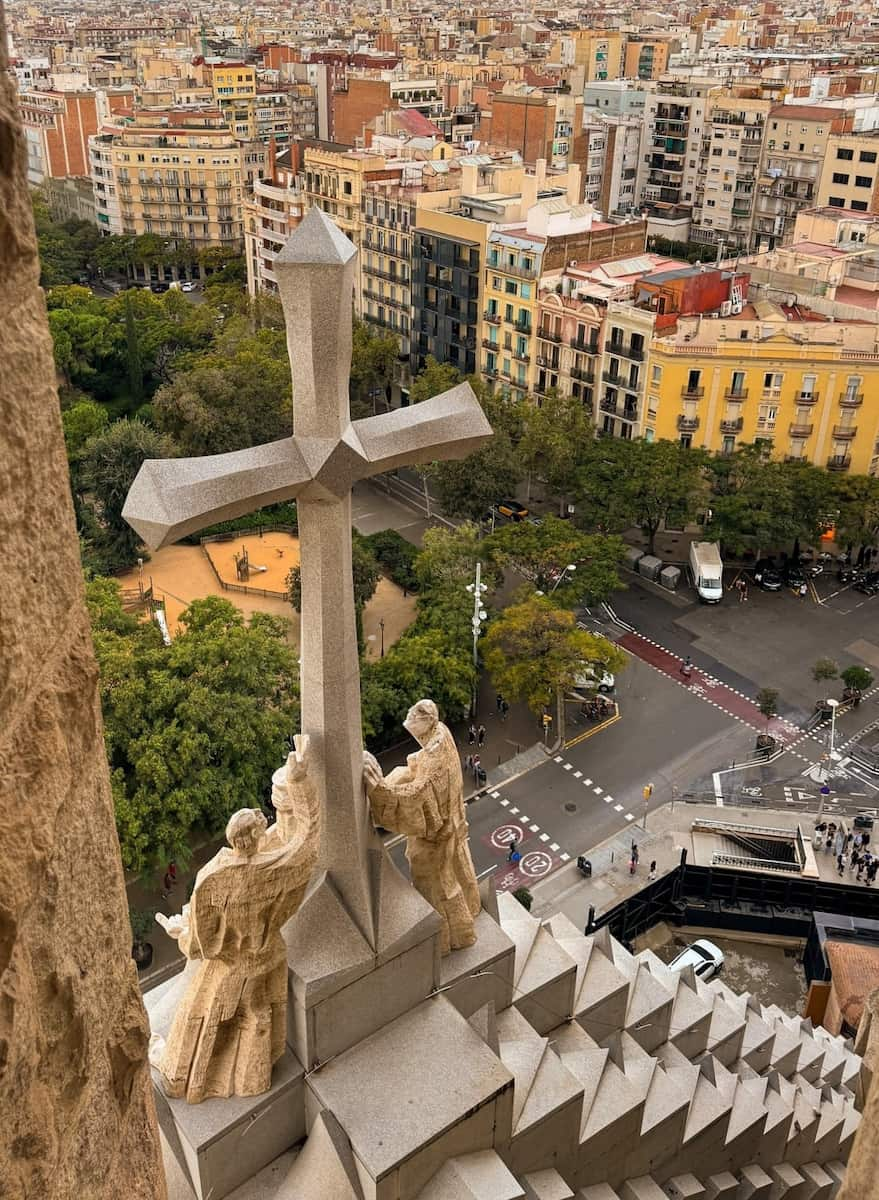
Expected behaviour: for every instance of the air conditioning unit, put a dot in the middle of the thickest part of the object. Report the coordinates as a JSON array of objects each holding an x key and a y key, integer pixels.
[
  {"x": 736, "y": 307},
  {"x": 726, "y": 308}
]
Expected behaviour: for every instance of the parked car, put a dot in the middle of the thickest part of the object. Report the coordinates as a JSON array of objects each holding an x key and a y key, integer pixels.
[
  {"x": 188, "y": 285},
  {"x": 767, "y": 575},
  {"x": 512, "y": 509},
  {"x": 794, "y": 575},
  {"x": 703, "y": 956},
  {"x": 593, "y": 678}
]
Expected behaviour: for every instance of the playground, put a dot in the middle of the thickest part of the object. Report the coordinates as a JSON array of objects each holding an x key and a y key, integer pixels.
[{"x": 180, "y": 574}]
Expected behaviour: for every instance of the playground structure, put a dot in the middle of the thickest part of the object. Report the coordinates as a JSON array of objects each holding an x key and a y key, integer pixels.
[{"x": 257, "y": 562}]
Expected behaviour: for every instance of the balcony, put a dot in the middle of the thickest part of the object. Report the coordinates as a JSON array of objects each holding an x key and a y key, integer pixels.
[
  {"x": 806, "y": 398},
  {"x": 801, "y": 431},
  {"x": 583, "y": 376},
  {"x": 839, "y": 462},
  {"x": 851, "y": 399},
  {"x": 552, "y": 362},
  {"x": 692, "y": 393},
  {"x": 616, "y": 380},
  {"x": 493, "y": 318},
  {"x": 506, "y": 269},
  {"x": 608, "y": 406},
  {"x": 844, "y": 433},
  {"x": 732, "y": 425},
  {"x": 735, "y": 394},
  {"x": 522, "y": 356},
  {"x": 523, "y": 327},
  {"x": 548, "y": 336},
  {"x": 687, "y": 424},
  {"x": 490, "y": 345},
  {"x": 585, "y": 347}
]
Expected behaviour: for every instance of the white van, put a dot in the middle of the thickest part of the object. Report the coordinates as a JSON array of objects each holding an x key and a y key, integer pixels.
[{"x": 706, "y": 571}]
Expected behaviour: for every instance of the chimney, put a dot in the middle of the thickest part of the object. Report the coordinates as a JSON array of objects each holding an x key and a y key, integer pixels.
[
  {"x": 575, "y": 186},
  {"x": 529, "y": 192},
  {"x": 540, "y": 173},
  {"x": 469, "y": 179}
]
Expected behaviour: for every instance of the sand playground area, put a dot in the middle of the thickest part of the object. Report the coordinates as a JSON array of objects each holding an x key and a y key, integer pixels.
[{"x": 180, "y": 574}]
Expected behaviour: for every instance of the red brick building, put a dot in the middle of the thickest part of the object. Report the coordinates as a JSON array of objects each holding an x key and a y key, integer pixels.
[{"x": 58, "y": 125}]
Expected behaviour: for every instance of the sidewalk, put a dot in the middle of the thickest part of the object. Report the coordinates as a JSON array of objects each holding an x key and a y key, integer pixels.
[{"x": 668, "y": 833}]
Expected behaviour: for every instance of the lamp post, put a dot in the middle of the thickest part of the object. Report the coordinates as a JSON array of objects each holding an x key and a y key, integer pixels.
[
  {"x": 571, "y": 567},
  {"x": 479, "y": 615},
  {"x": 381, "y": 625},
  {"x": 833, "y": 705}
]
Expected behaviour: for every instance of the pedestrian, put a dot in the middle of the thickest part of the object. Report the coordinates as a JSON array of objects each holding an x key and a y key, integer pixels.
[
  {"x": 471, "y": 734},
  {"x": 841, "y": 860},
  {"x": 634, "y": 852},
  {"x": 858, "y": 839},
  {"x": 863, "y": 861},
  {"x": 686, "y": 667},
  {"x": 480, "y": 737},
  {"x": 499, "y": 701},
  {"x": 871, "y": 871},
  {"x": 633, "y": 862},
  {"x": 514, "y": 850},
  {"x": 651, "y": 875},
  {"x": 477, "y": 765},
  {"x": 839, "y": 842},
  {"x": 803, "y": 590},
  {"x": 740, "y": 588},
  {"x": 505, "y": 708},
  {"x": 468, "y": 763},
  {"x": 854, "y": 859}
]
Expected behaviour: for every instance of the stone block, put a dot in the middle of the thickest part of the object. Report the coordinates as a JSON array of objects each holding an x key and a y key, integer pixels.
[
  {"x": 221, "y": 1143},
  {"x": 754, "y": 1183},
  {"x": 631, "y": 557},
  {"x": 644, "y": 1187},
  {"x": 684, "y": 1187},
  {"x": 722, "y": 1186},
  {"x": 786, "y": 1182},
  {"x": 649, "y": 566},
  {"x": 670, "y": 577},
  {"x": 546, "y": 1185},
  {"x": 421, "y": 1090},
  {"x": 818, "y": 1183},
  {"x": 483, "y": 972},
  {"x": 478, "y": 1176}
]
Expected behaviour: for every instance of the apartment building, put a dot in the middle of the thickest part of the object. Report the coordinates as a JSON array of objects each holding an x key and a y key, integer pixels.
[
  {"x": 614, "y": 157},
  {"x": 598, "y": 52},
  {"x": 668, "y": 179},
  {"x": 448, "y": 254},
  {"x": 513, "y": 268},
  {"x": 271, "y": 213},
  {"x": 107, "y": 213},
  {"x": 850, "y": 174},
  {"x": 234, "y": 90},
  {"x": 732, "y": 142},
  {"x": 57, "y": 126},
  {"x": 537, "y": 124},
  {"x": 794, "y": 149},
  {"x": 784, "y": 377},
  {"x": 645, "y": 57},
  {"x": 178, "y": 174},
  {"x": 334, "y": 177}
]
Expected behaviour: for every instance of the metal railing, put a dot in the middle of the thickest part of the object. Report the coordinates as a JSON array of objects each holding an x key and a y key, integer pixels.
[{"x": 719, "y": 859}]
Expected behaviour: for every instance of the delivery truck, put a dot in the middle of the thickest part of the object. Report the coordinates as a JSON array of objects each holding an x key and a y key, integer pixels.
[{"x": 706, "y": 571}]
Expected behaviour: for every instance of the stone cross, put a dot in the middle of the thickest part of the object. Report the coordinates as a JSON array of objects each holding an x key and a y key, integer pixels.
[{"x": 318, "y": 465}]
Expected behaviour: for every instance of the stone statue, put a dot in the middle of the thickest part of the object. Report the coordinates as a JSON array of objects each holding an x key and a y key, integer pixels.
[
  {"x": 425, "y": 800},
  {"x": 230, "y": 1027}
]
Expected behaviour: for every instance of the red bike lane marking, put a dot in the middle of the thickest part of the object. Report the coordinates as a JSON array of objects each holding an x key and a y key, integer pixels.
[{"x": 724, "y": 697}]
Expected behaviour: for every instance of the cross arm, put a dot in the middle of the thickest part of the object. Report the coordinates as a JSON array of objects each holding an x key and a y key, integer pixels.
[
  {"x": 451, "y": 425},
  {"x": 171, "y": 498}
]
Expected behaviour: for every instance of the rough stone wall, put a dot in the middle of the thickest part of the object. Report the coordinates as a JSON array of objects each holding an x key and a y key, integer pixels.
[{"x": 76, "y": 1111}]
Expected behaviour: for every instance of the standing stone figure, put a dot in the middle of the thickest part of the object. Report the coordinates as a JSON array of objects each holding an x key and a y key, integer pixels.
[
  {"x": 230, "y": 1027},
  {"x": 425, "y": 800}
]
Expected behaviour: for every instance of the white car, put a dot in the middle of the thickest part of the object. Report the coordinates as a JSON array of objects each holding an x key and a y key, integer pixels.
[
  {"x": 187, "y": 286},
  {"x": 703, "y": 956},
  {"x": 592, "y": 677}
]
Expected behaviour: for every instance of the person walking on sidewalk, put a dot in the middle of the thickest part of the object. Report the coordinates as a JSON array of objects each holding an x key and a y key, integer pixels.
[
  {"x": 505, "y": 708},
  {"x": 471, "y": 734},
  {"x": 499, "y": 701},
  {"x": 651, "y": 874},
  {"x": 480, "y": 736}
]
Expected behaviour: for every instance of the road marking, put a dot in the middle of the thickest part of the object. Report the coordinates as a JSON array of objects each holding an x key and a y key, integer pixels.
[
  {"x": 544, "y": 837},
  {"x": 495, "y": 794},
  {"x": 558, "y": 758},
  {"x": 534, "y": 828},
  {"x": 598, "y": 790},
  {"x": 565, "y": 857},
  {"x": 554, "y": 846},
  {"x": 569, "y": 766},
  {"x": 587, "y": 782},
  {"x": 629, "y": 817},
  {"x": 513, "y": 808},
  {"x": 618, "y": 808},
  {"x": 608, "y": 799},
  {"x": 504, "y": 802},
  {"x": 504, "y": 835},
  {"x": 578, "y": 774},
  {"x": 536, "y": 863},
  {"x": 525, "y": 817}
]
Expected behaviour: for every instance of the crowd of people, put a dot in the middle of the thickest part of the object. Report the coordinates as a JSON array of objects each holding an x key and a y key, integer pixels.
[{"x": 852, "y": 851}]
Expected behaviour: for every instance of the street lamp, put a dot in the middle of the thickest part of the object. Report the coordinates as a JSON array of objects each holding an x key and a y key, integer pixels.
[
  {"x": 476, "y": 590},
  {"x": 381, "y": 625},
  {"x": 833, "y": 705},
  {"x": 570, "y": 567}
]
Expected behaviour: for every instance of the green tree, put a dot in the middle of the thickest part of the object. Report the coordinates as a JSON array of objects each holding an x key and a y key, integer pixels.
[
  {"x": 448, "y": 558},
  {"x": 639, "y": 483},
  {"x": 534, "y": 651},
  {"x": 824, "y": 669},
  {"x": 110, "y": 462},
  {"x": 857, "y": 677},
  {"x": 435, "y": 378},
  {"x": 767, "y": 703},
  {"x": 132, "y": 352},
  {"x": 366, "y": 575},
  {"x": 236, "y": 395},
  {"x": 81, "y": 422},
  {"x": 542, "y": 554},
  {"x": 373, "y": 360},
  {"x": 85, "y": 340},
  {"x": 67, "y": 249},
  {"x": 857, "y": 509},
  {"x": 556, "y": 444},
  {"x": 467, "y": 487},
  {"x": 193, "y": 730}
]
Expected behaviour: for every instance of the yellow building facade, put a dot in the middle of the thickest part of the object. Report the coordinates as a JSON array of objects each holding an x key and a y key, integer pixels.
[
  {"x": 178, "y": 174},
  {"x": 807, "y": 389}
]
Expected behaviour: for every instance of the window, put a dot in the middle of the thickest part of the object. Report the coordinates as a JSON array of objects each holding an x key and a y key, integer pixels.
[
  {"x": 836, "y": 202},
  {"x": 863, "y": 181},
  {"x": 772, "y": 381},
  {"x": 656, "y": 376},
  {"x": 868, "y": 156},
  {"x": 846, "y": 155},
  {"x": 839, "y": 177},
  {"x": 859, "y": 205},
  {"x": 737, "y": 384}
]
